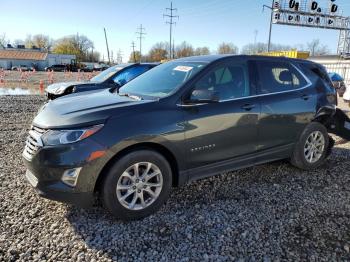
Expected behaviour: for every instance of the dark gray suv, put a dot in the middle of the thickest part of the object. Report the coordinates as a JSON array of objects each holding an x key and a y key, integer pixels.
[{"x": 183, "y": 120}]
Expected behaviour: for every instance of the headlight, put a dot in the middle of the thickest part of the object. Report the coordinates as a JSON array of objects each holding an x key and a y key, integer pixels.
[
  {"x": 62, "y": 137},
  {"x": 59, "y": 90}
]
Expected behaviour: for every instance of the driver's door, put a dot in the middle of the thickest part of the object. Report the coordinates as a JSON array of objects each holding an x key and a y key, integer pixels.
[{"x": 226, "y": 128}]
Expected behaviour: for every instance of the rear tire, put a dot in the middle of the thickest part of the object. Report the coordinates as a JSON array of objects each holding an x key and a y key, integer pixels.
[
  {"x": 312, "y": 148},
  {"x": 137, "y": 185}
]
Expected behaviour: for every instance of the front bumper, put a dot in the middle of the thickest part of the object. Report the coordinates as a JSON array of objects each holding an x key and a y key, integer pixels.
[
  {"x": 58, "y": 192},
  {"x": 46, "y": 167}
]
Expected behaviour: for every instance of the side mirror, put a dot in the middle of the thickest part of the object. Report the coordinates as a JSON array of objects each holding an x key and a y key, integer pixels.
[{"x": 203, "y": 97}]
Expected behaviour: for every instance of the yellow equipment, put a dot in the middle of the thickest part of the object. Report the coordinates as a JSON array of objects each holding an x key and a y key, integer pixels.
[{"x": 291, "y": 54}]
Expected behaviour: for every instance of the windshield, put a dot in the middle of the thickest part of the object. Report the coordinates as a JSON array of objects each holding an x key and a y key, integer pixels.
[
  {"x": 104, "y": 75},
  {"x": 163, "y": 79}
]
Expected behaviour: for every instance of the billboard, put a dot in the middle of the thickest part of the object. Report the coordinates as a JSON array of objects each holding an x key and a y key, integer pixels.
[{"x": 310, "y": 13}]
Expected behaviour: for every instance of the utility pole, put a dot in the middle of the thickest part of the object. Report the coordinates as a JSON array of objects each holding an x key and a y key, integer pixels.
[
  {"x": 271, "y": 20},
  {"x": 120, "y": 57},
  {"x": 171, "y": 16},
  {"x": 173, "y": 48},
  {"x": 109, "y": 58},
  {"x": 141, "y": 34},
  {"x": 133, "y": 50},
  {"x": 255, "y": 36}
]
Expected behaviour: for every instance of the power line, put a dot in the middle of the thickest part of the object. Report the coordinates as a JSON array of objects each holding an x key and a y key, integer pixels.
[
  {"x": 141, "y": 34},
  {"x": 171, "y": 16},
  {"x": 133, "y": 50}
]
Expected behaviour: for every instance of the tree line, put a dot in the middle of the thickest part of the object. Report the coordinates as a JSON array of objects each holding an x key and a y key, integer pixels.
[
  {"x": 160, "y": 51},
  {"x": 78, "y": 45},
  {"x": 83, "y": 48}
]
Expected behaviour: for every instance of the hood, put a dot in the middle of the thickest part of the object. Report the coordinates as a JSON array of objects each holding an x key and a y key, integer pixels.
[
  {"x": 60, "y": 88},
  {"x": 83, "y": 110}
]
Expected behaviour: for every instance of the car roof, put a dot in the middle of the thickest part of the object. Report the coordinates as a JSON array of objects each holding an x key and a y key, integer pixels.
[
  {"x": 125, "y": 65},
  {"x": 213, "y": 58}
]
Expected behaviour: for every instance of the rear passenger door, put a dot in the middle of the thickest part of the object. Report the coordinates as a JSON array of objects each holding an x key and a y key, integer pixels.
[{"x": 288, "y": 104}]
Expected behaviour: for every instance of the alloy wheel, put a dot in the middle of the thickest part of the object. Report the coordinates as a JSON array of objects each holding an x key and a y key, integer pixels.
[
  {"x": 139, "y": 186},
  {"x": 314, "y": 147}
]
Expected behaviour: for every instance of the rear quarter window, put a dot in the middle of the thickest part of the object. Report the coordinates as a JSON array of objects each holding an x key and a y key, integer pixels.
[
  {"x": 315, "y": 72},
  {"x": 275, "y": 76}
]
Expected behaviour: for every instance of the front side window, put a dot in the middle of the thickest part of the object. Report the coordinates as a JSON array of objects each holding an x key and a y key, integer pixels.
[
  {"x": 229, "y": 81},
  {"x": 278, "y": 77}
]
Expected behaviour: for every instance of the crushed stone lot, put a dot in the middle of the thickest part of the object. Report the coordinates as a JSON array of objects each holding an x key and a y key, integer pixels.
[{"x": 269, "y": 212}]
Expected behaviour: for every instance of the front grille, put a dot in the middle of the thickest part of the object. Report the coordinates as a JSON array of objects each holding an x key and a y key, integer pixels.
[{"x": 33, "y": 142}]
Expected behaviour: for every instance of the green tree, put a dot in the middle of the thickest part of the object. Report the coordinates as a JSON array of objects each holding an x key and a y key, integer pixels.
[{"x": 78, "y": 45}]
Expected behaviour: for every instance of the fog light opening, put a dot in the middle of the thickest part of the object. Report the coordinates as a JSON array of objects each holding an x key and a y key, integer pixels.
[{"x": 70, "y": 176}]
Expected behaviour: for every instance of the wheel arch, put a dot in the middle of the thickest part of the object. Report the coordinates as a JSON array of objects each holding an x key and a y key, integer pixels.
[
  {"x": 164, "y": 151},
  {"x": 324, "y": 116}
]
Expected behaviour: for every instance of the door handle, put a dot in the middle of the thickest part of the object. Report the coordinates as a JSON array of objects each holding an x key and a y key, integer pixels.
[
  {"x": 305, "y": 97},
  {"x": 248, "y": 107}
]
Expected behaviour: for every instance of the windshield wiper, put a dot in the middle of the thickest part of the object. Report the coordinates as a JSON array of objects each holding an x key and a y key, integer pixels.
[{"x": 131, "y": 96}]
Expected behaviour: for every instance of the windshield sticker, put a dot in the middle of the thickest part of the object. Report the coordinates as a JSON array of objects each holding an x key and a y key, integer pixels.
[{"x": 183, "y": 68}]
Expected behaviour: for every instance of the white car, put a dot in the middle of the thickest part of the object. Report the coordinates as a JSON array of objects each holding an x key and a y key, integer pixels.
[{"x": 346, "y": 95}]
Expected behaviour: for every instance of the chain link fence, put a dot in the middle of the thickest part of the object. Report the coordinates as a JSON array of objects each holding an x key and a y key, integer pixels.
[{"x": 341, "y": 68}]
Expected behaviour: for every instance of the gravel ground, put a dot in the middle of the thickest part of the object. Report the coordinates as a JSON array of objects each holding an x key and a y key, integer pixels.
[{"x": 269, "y": 212}]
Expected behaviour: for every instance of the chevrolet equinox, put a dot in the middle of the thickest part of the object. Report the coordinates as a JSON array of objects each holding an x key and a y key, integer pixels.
[{"x": 184, "y": 120}]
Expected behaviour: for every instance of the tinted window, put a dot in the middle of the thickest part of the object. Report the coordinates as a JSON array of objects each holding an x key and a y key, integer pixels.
[
  {"x": 278, "y": 77},
  {"x": 226, "y": 82},
  {"x": 104, "y": 75},
  {"x": 314, "y": 71},
  {"x": 129, "y": 74}
]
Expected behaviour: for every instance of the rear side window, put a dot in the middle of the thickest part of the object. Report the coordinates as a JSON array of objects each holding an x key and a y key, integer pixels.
[{"x": 278, "y": 77}]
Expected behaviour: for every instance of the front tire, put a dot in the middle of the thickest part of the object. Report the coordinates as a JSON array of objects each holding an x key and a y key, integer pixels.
[
  {"x": 137, "y": 185},
  {"x": 312, "y": 148}
]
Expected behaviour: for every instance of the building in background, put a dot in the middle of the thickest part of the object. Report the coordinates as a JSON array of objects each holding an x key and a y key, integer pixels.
[
  {"x": 39, "y": 59},
  {"x": 335, "y": 64}
]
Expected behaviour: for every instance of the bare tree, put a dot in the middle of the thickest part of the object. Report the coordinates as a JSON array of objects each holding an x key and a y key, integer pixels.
[
  {"x": 18, "y": 42},
  {"x": 184, "y": 49},
  {"x": 252, "y": 49},
  {"x": 202, "y": 51},
  {"x": 227, "y": 48},
  {"x": 316, "y": 48},
  {"x": 3, "y": 40},
  {"x": 39, "y": 41},
  {"x": 158, "y": 52}
]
